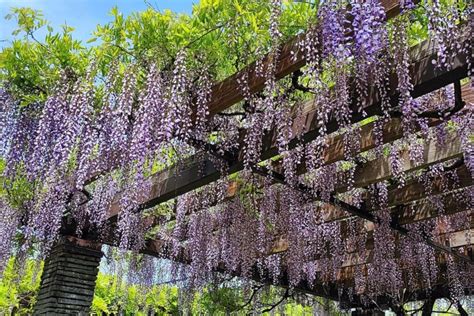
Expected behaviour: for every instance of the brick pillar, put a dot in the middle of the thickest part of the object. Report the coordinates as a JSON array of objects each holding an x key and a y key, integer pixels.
[{"x": 68, "y": 280}]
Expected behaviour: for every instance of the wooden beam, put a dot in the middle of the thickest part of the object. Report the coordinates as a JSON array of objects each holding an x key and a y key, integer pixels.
[
  {"x": 407, "y": 203},
  {"x": 416, "y": 190},
  {"x": 169, "y": 183},
  {"x": 457, "y": 240},
  {"x": 380, "y": 169},
  {"x": 329, "y": 289},
  {"x": 358, "y": 211},
  {"x": 173, "y": 182},
  {"x": 158, "y": 248},
  {"x": 228, "y": 92},
  {"x": 401, "y": 199},
  {"x": 407, "y": 214},
  {"x": 412, "y": 191}
]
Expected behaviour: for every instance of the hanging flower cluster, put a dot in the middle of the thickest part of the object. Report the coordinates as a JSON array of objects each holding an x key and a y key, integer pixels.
[
  {"x": 294, "y": 235},
  {"x": 69, "y": 146},
  {"x": 79, "y": 160}
]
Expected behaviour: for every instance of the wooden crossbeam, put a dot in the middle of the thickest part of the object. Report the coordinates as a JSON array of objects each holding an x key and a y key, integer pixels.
[
  {"x": 228, "y": 92},
  {"x": 455, "y": 240},
  {"x": 392, "y": 130},
  {"x": 403, "y": 200},
  {"x": 371, "y": 172},
  {"x": 405, "y": 211},
  {"x": 407, "y": 215},
  {"x": 380, "y": 169},
  {"x": 197, "y": 173},
  {"x": 362, "y": 213},
  {"x": 423, "y": 210},
  {"x": 407, "y": 203},
  {"x": 158, "y": 248}
]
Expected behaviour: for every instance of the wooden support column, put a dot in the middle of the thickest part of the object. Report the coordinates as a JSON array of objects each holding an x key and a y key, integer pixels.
[{"x": 69, "y": 276}]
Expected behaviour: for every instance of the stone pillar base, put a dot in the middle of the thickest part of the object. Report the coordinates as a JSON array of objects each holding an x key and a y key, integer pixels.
[{"x": 68, "y": 279}]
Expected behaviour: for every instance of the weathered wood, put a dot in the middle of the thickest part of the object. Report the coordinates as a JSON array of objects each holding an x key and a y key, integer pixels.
[
  {"x": 409, "y": 214},
  {"x": 399, "y": 199},
  {"x": 415, "y": 189},
  {"x": 327, "y": 290},
  {"x": 354, "y": 259},
  {"x": 228, "y": 92},
  {"x": 412, "y": 191},
  {"x": 380, "y": 169},
  {"x": 425, "y": 77},
  {"x": 68, "y": 280},
  {"x": 456, "y": 240},
  {"x": 169, "y": 183},
  {"x": 281, "y": 244}
]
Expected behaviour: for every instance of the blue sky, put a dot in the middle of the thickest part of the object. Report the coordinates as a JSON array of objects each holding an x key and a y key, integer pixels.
[{"x": 83, "y": 15}]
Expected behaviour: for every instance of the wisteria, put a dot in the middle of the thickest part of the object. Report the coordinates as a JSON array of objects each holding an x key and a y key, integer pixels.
[
  {"x": 50, "y": 128},
  {"x": 351, "y": 190},
  {"x": 8, "y": 119},
  {"x": 442, "y": 24},
  {"x": 178, "y": 118},
  {"x": 8, "y": 225}
]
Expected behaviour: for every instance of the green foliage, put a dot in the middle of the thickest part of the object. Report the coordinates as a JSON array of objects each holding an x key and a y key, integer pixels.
[
  {"x": 163, "y": 299},
  {"x": 16, "y": 190},
  {"x": 18, "y": 290},
  {"x": 221, "y": 33},
  {"x": 32, "y": 67}
]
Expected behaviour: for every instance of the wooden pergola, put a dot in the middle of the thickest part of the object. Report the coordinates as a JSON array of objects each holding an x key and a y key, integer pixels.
[{"x": 69, "y": 278}]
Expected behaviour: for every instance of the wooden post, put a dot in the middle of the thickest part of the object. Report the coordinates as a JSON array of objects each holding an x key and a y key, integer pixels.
[{"x": 68, "y": 280}]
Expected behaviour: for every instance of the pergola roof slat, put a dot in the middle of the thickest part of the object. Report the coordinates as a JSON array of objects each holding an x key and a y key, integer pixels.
[
  {"x": 290, "y": 58},
  {"x": 197, "y": 173}
]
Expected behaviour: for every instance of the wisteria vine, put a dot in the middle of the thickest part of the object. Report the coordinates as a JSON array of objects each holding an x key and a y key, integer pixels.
[{"x": 77, "y": 161}]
